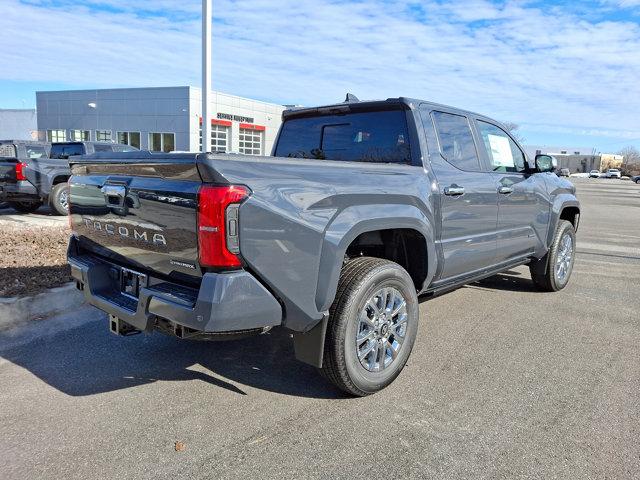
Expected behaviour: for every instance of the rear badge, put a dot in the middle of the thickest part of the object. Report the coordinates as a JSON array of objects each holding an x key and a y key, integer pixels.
[{"x": 182, "y": 264}]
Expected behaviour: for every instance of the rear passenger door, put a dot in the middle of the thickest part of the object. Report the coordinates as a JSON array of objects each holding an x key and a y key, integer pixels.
[
  {"x": 468, "y": 197},
  {"x": 523, "y": 208}
]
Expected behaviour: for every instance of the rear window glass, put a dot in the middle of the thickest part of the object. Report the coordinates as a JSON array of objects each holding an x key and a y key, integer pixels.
[
  {"x": 379, "y": 137},
  {"x": 66, "y": 150},
  {"x": 101, "y": 147},
  {"x": 7, "y": 150}
]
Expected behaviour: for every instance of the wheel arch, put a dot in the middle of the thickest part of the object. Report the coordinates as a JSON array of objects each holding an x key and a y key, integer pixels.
[
  {"x": 404, "y": 221},
  {"x": 565, "y": 207},
  {"x": 60, "y": 179}
]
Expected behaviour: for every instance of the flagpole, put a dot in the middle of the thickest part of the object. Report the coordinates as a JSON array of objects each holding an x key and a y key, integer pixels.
[{"x": 206, "y": 75}]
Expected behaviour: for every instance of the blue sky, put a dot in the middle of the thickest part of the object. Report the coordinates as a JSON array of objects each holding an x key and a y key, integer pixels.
[{"x": 567, "y": 72}]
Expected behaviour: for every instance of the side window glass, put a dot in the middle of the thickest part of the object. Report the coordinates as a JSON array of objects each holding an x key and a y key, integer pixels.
[
  {"x": 503, "y": 153},
  {"x": 34, "y": 151},
  {"x": 456, "y": 141}
]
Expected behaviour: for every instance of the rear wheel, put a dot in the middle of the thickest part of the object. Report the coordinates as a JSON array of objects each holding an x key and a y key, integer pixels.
[
  {"x": 59, "y": 199},
  {"x": 552, "y": 272},
  {"x": 25, "y": 207},
  {"x": 372, "y": 326}
]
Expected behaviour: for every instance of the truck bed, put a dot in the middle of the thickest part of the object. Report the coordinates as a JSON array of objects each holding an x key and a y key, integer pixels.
[{"x": 295, "y": 216}]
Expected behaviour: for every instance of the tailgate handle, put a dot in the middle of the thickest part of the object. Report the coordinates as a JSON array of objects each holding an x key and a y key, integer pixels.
[{"x": 114, "y": 194}]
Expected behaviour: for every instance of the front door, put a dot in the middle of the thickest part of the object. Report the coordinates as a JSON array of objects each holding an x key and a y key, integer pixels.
[
  {"x": 468, "y": 198},
  {"x": 523, "y": 208}
]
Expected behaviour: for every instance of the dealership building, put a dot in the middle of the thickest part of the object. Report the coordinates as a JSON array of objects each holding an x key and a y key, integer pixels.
[{"x": 158, "y": 119}]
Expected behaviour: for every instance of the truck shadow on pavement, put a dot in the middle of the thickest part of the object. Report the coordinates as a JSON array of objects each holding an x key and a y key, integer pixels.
[
  {"x": 89, "y": 360},
  {"x": 511, "y": 281}
]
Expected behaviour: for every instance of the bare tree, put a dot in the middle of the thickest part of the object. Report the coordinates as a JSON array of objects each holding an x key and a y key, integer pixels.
[
  {"x": 630, "y": 160},
  {"x": 631, "y": 155},
  {"x": 514, "y": 129}
]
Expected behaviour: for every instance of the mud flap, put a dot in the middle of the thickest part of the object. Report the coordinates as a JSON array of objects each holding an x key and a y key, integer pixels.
[{"x": 309, "y": 346}]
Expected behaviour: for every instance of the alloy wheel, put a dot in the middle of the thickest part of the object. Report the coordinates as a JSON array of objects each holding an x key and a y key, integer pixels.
[{"x": 381, "y": 330}]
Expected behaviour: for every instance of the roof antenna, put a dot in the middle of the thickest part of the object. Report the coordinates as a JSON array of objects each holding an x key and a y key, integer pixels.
[{"x": 351, "y": 98}]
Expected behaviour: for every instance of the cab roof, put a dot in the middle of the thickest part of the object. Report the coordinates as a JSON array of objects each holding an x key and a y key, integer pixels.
[{"x": 351, "y": 103}]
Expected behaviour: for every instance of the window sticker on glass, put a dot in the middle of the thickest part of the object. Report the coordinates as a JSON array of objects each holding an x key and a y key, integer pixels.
[
  {"x": 361, "y": 137},
  {"x": 501, "y": 151}
]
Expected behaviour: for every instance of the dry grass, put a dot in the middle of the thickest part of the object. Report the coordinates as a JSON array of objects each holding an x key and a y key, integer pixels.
[{"x": 33, "y": 260}]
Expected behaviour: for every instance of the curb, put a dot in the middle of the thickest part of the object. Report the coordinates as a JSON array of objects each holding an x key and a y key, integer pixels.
[{"x": 18, "y": 310}]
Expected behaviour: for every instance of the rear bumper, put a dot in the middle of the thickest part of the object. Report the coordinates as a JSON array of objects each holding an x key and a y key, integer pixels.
[
  {"x": 19, "y": 191},
  {"x": 225, "y": 302}
]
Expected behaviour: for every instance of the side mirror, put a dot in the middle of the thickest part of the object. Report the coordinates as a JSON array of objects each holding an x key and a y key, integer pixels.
[{"x": 546, "y": 163}]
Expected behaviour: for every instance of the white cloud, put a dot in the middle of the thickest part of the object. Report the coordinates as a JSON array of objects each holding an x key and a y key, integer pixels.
[
  {"x": 625, "y": 3},
  {"x": 511, "y": 61}
]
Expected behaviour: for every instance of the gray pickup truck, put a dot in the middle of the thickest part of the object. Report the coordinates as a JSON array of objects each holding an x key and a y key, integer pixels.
[
  {"x": 363, "y": 207},
  {"x": 17, "y": 178},
  {"x": 33, "y": 173}
]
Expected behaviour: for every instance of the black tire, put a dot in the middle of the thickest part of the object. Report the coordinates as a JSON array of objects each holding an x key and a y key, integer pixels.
[
  {"x": 59, "y": 198},
  {"x": 25, "y": 207},
  {"x": 360, "y": 280},
  {"x": 543, "y": 271}
]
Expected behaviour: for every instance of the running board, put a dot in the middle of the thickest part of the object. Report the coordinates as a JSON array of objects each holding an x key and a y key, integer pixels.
[{"x": 452, "y": 285}]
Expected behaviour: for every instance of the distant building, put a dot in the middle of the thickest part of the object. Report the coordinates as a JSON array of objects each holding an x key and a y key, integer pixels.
[
  {"x": 576, "y": 159},
  {"x": 18, "y": 124},
  {"x": 158, "y": 119}
]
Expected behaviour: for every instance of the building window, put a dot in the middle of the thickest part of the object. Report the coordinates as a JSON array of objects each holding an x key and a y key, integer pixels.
[
  {"x": 220, "y": 138},
  {"x": 250, "y": 141},
  {"x": 162, "y": 142},
  {"x": 56, "y": 135},
  {"x": 103, "y": 135},
  {"x": 80, "y": 135},
  {"x": 129, "y": 138}
]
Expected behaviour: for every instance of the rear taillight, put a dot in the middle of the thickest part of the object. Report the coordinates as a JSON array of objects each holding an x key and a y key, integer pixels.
[
  {"x": 20, "y": 171},
  {"x": 218, "y": 241}
]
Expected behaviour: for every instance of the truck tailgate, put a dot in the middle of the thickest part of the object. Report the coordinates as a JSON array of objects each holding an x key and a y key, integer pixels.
[
  {"x": 138, "y": 212},
  {"x": 7, "y": 170}
]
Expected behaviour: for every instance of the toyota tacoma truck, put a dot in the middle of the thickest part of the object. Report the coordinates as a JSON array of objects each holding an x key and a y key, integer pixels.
[
  {"x": 16, "y": 177},
  {"x": 363, "y": 207},
  {"x": 33, "y": 173}
]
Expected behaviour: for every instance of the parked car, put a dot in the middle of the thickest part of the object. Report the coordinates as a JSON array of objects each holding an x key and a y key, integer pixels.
[
  {"x": 613, "y": 173},
  {"x": 38, "y": 173},
  {"x": 332, "y": 238},
  {"x": 594, "y": 174},
  {"x": 636, "y": 179},
  {"x": 564, "y": 172}
]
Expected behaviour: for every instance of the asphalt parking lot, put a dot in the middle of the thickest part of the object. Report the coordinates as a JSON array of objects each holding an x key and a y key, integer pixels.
[{"x": 503, "y": 382}]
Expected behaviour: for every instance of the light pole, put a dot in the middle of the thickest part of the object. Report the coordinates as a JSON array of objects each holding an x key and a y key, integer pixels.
[{"x": 206, "y": 75}]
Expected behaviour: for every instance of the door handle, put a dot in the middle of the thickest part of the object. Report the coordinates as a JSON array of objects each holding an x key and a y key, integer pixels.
[
  {"x": 505, "y": 190},
  {"x": 454, "y": 191}
]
